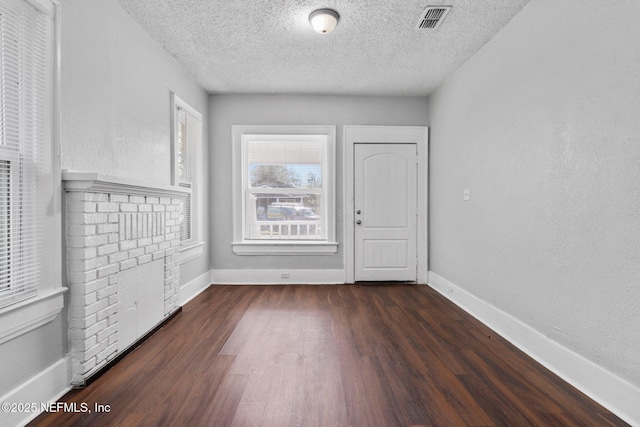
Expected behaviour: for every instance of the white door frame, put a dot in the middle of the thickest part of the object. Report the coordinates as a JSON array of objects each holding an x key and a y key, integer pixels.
[{"x": 418, "y": 135}]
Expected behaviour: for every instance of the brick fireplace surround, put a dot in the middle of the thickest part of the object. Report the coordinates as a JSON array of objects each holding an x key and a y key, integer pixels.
[{"x": 112, "y": 226}]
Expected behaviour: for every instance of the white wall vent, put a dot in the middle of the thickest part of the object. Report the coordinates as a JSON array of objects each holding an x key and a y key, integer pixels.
[{"x": 433, "y": 16}]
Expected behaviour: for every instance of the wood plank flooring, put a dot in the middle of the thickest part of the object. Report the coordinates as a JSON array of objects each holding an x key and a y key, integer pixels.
[{"x": 347, "y": 355}]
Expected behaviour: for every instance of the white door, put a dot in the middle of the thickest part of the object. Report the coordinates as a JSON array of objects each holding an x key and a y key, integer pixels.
[{"x": 385, "y": 208}]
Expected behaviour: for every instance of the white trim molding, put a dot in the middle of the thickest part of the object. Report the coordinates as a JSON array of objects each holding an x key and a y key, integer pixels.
[
  {"x": 191, "y": 252},
  {"x": 284, "y": 248},
  {"x": 91, "y": 182},
  {"x": 612, "y": 392},
  {"x": 418, "y": 135},
  {"x": 20, "y": 318},
  {"x": 275, "y": 277},
  {"x": 190, "y": 290},
  {"x": 46, "y": 387}
]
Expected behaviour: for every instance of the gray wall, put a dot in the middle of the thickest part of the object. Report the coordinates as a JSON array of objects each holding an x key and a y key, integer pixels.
[
  {"x": 542, "y": 126},
  {"x": 115, "y": 120},
  {"x": 227, "y": 110},
  {"x": 116, "y": 84},
  {"x": 116, "y": 111}
]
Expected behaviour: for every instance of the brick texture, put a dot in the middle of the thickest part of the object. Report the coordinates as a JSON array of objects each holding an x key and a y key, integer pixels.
[{"x": 107, "y": 234}]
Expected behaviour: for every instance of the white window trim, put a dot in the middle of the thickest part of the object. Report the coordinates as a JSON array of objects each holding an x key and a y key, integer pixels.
[
  {"x": 194, "y": 248},
  {"x": 242, "y": 246},
  {"x": 30, "y": 314},
  {"x": 25, "y": 316}
]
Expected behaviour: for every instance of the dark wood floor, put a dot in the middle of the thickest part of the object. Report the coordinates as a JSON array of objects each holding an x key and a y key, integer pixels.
[{"x": 278, "y": 356}]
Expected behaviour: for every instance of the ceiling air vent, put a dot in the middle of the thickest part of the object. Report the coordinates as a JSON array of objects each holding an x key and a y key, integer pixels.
[{"x": 433, "y": 17}]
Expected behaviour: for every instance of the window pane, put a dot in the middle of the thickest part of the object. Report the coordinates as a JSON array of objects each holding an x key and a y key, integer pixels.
[
  {"x": 287, "y": 164},
  {"x": 280, "y": 216}
]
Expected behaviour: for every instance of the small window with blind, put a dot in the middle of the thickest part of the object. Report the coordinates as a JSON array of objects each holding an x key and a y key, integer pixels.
[
  {"x": 25, "y": 38},
  {"x": 283, "y": 189},
  {"x": 187, "y": 142}
]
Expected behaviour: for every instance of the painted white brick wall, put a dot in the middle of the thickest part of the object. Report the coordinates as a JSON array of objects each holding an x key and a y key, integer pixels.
[{"x": 107, "y": 234}]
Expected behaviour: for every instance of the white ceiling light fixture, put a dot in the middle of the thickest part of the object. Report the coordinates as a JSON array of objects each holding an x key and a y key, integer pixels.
[{"x": 324, "y": 20}]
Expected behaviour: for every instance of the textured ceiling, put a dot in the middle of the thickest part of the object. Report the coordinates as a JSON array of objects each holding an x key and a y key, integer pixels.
[{"x": 268, "y": 46}]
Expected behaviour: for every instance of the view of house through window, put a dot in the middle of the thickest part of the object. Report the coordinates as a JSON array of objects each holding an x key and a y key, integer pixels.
[{"x": 284, "y": 195}]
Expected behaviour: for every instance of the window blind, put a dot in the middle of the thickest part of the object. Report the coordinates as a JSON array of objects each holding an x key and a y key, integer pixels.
[
  {"x": 25, "y": 37},
  {"x": 290, "y": 152},
  {"x": 184, "y": 167},
  {"x": 184, "y": 174}
]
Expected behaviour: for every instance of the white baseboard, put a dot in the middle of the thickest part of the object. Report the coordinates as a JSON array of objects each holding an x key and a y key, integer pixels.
[
  {"x": 612, "y": 392},
  {"x": 274, "y": 277},
  {"x": 192, "y": 289},
  {"x": 47, "y": 386}
]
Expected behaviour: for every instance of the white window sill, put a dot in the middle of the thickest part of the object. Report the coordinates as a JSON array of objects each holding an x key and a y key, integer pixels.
[
  {"x": 25, "y": 316},
  {"x": 285, "y": 248},
  {"x": 191, "y": 251}
]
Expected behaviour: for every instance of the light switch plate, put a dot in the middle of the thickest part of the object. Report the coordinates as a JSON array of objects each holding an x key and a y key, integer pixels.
[{"x": 467, "y": 194}]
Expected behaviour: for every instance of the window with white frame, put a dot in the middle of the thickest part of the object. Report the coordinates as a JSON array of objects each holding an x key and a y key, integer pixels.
[
  {"x": 284, "y": 189},
  {"x": 26, "y": 39},
  {"x": 187, "y": 149}
]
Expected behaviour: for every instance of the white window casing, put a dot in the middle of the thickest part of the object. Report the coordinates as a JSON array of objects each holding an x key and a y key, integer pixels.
[
  {"x": 187, "y": 173},
  {"x": 23, "y": 29},
  {"x": 30, "y": 232},
  {"x": 283, "y": 190}
]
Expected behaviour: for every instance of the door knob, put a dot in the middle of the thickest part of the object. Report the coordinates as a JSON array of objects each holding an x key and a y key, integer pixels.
[
  {"x": 358, "y": 222},
  {"x": 358, "y": 211}
]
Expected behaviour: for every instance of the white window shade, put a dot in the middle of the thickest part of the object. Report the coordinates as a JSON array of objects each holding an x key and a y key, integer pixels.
[
  {"x": 292, "y": 152},
  {"x": 25, "y": 41}
]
